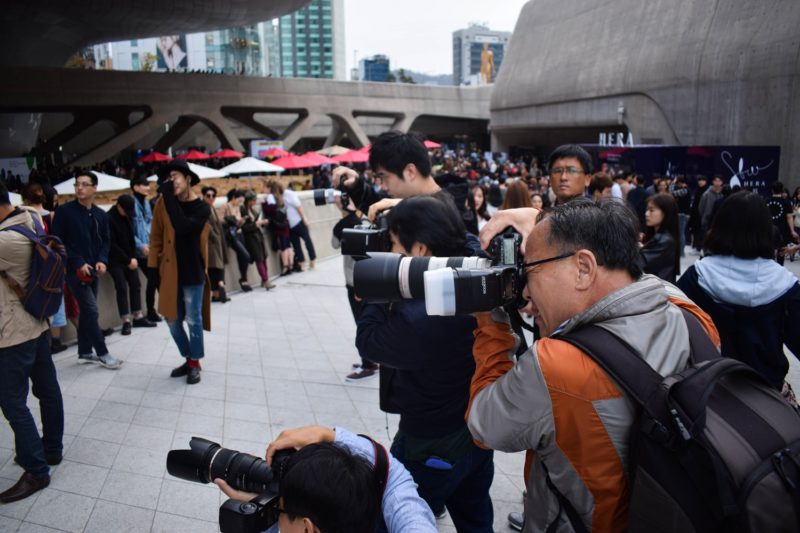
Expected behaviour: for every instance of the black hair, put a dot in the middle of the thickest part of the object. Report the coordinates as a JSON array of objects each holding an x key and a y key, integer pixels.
[
  {"x": 393, "y": 150},
  {"x": 335, "y": 489},
  {"x": 572, "y": 150},
  {"x": 607, "y": 228},
  {"x": 742, "y": 227},
  {"x": 777, "y": 188},
  {"x": 5, "y": 198},
  {"x": 33, "y": 194},
  {"x": 234, "y": 194},
  {"x": 432, "y": 220},
  {"x": 89, "y": 173},
  {"x": 208, "y": 188},
  {"x": 481, "y": 212},
  {"x": 670, "y": 224}
]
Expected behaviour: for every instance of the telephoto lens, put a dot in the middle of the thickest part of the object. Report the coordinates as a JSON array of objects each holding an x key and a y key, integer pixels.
[
  {"x": 389, "y": 277},
  {"x": 325, "y": 196},
  {"x": 460, "y": 291}
]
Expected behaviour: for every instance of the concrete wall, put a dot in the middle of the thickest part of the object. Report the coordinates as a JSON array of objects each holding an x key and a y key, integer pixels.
[
  {"x": 321, "y": 220},
  {"x": 671, "y": 71}
]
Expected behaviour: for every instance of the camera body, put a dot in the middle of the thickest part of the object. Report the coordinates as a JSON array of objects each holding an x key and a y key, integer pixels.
[
  {"x": 206, "y": 461},
  {"x": 361, "y": 240}
]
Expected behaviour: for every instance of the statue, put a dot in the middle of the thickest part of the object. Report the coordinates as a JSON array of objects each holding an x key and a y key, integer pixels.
[{"x": 487, "y": 65}]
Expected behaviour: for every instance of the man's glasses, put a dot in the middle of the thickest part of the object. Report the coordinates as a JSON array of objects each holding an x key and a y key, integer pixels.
[
  {"x": 83, "y": 184},
  {"x": 526, "y": 267},
  {"x": 571, "y": 171}
]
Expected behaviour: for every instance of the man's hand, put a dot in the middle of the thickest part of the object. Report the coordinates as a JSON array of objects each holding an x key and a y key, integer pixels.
[
  {"x": 233, "y": 493},
  {"x": 380, "y": 206},
  {"x": 522, "y": 220},
  {"x": 299, "y": 437},
  {"x": 100, "y": 268},
  {"x": 134, "y": 264},
  {"x": 342, "y": 173},
  {"x": 85, "y": 270}
]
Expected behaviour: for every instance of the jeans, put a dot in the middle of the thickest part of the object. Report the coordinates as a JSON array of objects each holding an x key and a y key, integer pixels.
[
  {"x": 32, "y": 360},
  {"x": 59, "y": 320},
  {"x": 89, "y": 334},
  {"x": 464, "y": 489},
  {"x": 300, "y": 231},
  {"x": 683, "y": 220},
  {"x": 126, "y": 284},
  {"x": 190, "y": 308}
]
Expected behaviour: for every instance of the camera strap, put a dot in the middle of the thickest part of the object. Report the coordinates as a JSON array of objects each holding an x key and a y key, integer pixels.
[{"x": 381, "y": 464}]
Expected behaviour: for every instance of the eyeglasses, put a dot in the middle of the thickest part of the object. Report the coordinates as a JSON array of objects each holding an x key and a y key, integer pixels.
[
  {"x": 526, "y": 267},
  {"x": 572, "y": 171},
  {"x": 80, "y": 184}
]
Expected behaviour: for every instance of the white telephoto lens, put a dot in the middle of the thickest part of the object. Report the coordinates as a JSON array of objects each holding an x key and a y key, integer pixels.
[{"x": 440, "y": 292}]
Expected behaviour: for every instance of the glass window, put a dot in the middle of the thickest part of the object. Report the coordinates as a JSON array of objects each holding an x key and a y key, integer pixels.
[{"x": 135, "y": 61}]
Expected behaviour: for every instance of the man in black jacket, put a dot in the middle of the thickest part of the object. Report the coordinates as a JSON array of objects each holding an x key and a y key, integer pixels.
[{"x": 124, "y": 267}]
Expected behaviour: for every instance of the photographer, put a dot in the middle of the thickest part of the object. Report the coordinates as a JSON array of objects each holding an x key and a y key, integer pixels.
[
  {"x": 330, "y": 485},
  {"x": 426, "y": 367}
]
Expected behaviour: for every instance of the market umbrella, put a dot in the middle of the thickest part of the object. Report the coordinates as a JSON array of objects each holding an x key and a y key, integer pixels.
[
  {"x": 319, "y": 158},
  {"x": 251, "y": 165},
  {"x": 105, "y": 183},
  {"x": 202, "y": 172},
  {"x": 193, "y": 155},
  {"x": 155, "y": 157},
  {"x": 227, "y": 153},
  {"x": 296, "y": 161},
  {"x": 16, "y": 199},
  {"x": 353, "y": 156},
  {"x": 331, "y": 151},
  {"x": 431, "y": 144},
  {"x": 273, "y": 152}
]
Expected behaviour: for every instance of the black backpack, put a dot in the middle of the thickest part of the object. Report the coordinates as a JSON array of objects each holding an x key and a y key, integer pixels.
[{"x": 713, "y": 447}]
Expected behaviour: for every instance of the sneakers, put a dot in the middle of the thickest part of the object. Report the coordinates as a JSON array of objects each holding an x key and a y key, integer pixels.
[
  {"x": 516, "y": 520},
  {"x": 126, "y": 328},
  {"x": 193, "y": 376},
  {"x": 179, "y": 371},
  {"x": 361, "y": 374},
  {"x": 106, "y": 361},
  {"x": 143, "y": 323}
]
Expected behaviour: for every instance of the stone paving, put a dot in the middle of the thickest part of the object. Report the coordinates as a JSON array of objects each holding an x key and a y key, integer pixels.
[{"x": 275, "y": 360}]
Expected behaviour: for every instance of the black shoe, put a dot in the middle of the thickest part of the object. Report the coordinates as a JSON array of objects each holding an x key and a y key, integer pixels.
[
  {"x": 106, "y": 332},
  {"x": 152, "y": 316},
  {"x": 126, "y": 328},
  {"x": 179, "y": 371},
  {"x": 143, "y": 323},
  {"x": 52, "y": 460},
  {"x": 27, "y": 485},
  {"x": 193, "y": 376},
  {"x": 245, "y": 286},
  {"x": 223, "y": 296},
  {"x": 297, "y": 267},
  {"x": 56, "y": 346}
]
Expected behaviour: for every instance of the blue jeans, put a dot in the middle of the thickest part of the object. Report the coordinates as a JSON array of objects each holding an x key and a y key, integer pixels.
[
  {"x": 19, "y": 363},
  {"x": 190, "y": 308},
  {"x": 89, "y": 334},
  {"x": 683, "y": 220},
  {"x": 59, "y": 320},
  {"x": 464, "y": 489},
  {"x": 300, "y": 231}
]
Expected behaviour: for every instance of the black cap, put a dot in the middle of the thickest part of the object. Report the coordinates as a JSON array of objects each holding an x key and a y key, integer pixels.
[
  {"x": 127, "y": 203},
  {"x": 139, "y": 180},
  {"x": 180, "y": 166}
]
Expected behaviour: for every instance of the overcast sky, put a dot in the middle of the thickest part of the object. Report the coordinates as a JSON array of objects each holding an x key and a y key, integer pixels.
[{"x": 418, "y": 34}]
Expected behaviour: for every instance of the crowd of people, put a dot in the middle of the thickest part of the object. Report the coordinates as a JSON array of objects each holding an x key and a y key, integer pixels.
[{"x": 599, "y": 249}]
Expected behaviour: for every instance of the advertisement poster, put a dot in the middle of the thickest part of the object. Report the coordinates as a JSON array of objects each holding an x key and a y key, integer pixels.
[{"x": 172, "y": 52}]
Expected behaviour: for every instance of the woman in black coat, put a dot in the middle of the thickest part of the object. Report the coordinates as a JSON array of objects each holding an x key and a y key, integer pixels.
[
  {"x": 254, "y": 237},
  {"x": 660, "y": 251}
]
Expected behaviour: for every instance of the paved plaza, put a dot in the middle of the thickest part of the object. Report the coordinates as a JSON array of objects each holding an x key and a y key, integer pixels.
[{"x": 274, "y": 360}]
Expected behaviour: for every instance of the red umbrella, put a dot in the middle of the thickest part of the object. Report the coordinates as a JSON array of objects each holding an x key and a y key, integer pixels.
[
  {"x": 155, "y": 157},
  {"x": 227, "y": 153},
  {"x": 319, "y": 158},
  {"x": 193, "y": 155},
  {"x": 273, "y": 152},
  {"x": 353, "y": 156},
  {"x": 296, "y": 161},
  {"x": 431, "y": 144}
]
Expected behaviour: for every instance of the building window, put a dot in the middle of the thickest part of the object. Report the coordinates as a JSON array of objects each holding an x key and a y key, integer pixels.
[{"x": 135, "y": 61}]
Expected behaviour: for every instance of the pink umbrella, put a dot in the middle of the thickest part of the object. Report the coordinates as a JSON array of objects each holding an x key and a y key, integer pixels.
[
  {"x": 227, "y": 153},
  {"x": 154, "y": 157},
  {"x": 296, "y": 161},
  {"x": 193, "y": 155},
  {"x": 321, "y": 159},
  {"x": 353, "y": 156},
  {"x": 431, "y": 144},
  {"x": 273, "y": 152}
]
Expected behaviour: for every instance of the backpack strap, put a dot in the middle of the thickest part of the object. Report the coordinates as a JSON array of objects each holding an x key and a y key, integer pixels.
[
  {"x": 381, "y": 465},
  {"x": 702, "y": 347}
]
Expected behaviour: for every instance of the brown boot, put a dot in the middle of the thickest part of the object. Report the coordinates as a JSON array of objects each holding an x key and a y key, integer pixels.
[{"x": 27, "y": 485}]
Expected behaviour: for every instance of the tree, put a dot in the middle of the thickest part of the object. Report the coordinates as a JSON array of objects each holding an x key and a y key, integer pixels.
[
  {"x": 148, "y": 62},
  {"x": 403, "y": 77},
  {"x": 391, "y": 78}
]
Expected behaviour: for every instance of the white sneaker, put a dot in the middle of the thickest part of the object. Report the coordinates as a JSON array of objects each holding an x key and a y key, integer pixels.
[{"x": 107, "y": 361}]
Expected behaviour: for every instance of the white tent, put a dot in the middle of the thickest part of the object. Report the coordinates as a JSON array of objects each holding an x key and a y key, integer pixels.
[
  {"x": 16, "y": 199},
  {"x": 105, "y": 182},
  {"x": 251, "y": 165},
  {"x": 202, "y": 172}
]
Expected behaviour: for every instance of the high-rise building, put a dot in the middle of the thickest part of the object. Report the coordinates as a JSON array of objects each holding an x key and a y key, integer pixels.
[
  {"x": 375, "y": 68},
  {"x": 312, "y": 41},
  {"x": 467, "y": 48}
]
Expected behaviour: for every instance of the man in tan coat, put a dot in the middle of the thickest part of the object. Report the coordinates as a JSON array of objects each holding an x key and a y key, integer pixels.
[
  {"x": 25, "y": 355},
  {"x": 179, "y": 249}
]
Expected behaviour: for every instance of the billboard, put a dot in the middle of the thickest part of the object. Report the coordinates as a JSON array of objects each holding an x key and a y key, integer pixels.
[{"x": 171, "y": 52}]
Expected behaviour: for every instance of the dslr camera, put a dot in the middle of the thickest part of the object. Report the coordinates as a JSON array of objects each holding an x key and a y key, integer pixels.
[
  {"x": 206, "y": 461},
  {"x": 450, "y": 285},
  {"x": 328, "y": 196},
  {"x": 361, "y": 240}
]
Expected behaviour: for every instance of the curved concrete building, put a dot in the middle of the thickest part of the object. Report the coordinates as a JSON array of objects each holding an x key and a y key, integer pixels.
[
  {"x": 688, "y": 72},
  {"x": 45, "y": 33}
]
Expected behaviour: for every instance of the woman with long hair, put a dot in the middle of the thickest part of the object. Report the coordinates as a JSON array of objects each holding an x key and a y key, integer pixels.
[
  {"x": 517, "y": 195},
  {"x": 660, "y": 250},
  {"x": 753, "y": 301},
  {"x": 276, "y": 214},
  {"x": 476, "y": 202},
  {"x": 232, "y": 217},
  {"x": 254, "y": 237}
]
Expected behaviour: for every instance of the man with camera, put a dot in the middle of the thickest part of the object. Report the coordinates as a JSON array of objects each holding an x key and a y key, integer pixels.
[
  {"x": 581, "y": 263},
  {"x": 427, "y": 365},
  {"x": 334, "y": 482}
]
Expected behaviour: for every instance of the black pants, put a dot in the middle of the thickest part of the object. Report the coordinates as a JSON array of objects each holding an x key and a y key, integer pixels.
[
  {"x": 300, "y": 231},
  {"x": 215, "y": 276},
  {"x": 355, "y": 308},
  {"x": 152, "y": 285},
  {"x": 126, "y": 284}
]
